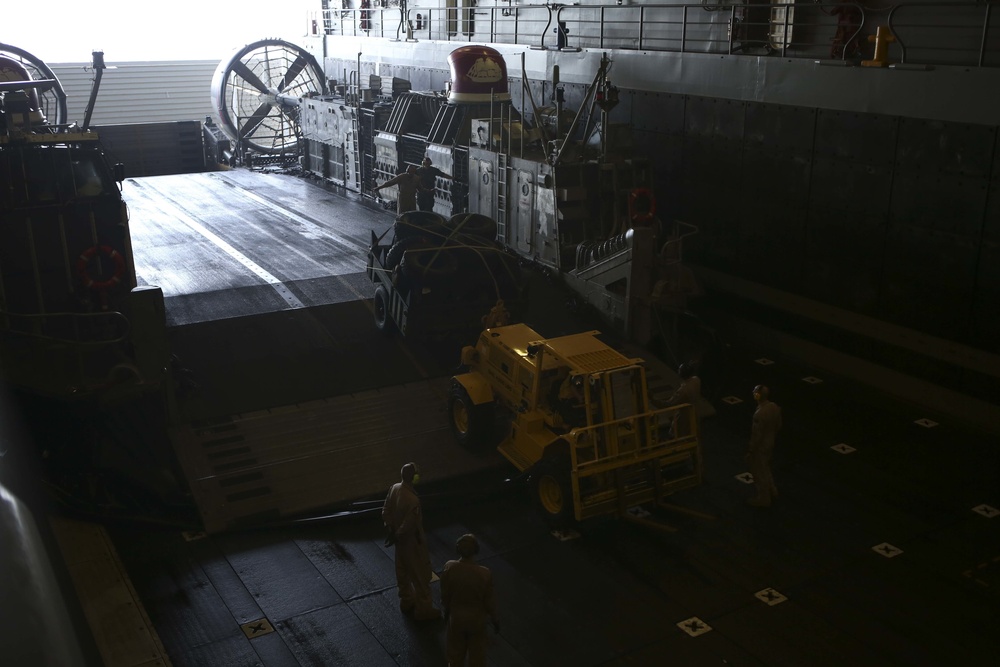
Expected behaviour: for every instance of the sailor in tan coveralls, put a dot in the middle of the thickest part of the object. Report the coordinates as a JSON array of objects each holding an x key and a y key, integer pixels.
[
  {"x": 467, "y": 597},
  {"x": 689, "y": 391},
  {"x": 408, "y": 182},
  {"x": 766, "y": 424},
  {"x": 404, "y": 524}
]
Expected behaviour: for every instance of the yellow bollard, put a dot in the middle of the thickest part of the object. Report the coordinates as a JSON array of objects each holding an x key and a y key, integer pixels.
[{"x": 882, "y": 38}]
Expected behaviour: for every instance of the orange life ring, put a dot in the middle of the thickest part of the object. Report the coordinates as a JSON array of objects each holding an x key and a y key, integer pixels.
[
  {"x": 84, "y": 262},
  {"x": 641, "y": 206}
]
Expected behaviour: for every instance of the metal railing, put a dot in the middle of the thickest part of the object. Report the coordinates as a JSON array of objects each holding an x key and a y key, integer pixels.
[
  {"x": 961, "y": 34},
  {"x": 944, "y": 33}
]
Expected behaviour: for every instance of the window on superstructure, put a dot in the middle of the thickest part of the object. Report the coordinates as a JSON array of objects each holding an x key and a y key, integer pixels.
[{"x": 87, "y": 176}]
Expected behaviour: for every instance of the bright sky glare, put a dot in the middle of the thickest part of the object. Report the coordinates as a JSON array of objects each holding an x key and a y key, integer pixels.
[{"x": 64, "y": 31}]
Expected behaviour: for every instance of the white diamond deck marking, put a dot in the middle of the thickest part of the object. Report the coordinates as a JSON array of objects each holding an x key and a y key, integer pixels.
[
  {"x": 986, "y": 511},
  {"x": 770, "y": 596},
  {"x": 257, "y": 628},
  {"x": 694, "y": 626},
  {"x": 565, "y": 535},
  {"x": 887, "y": 550},
  {"x": 843, "y": 448}
]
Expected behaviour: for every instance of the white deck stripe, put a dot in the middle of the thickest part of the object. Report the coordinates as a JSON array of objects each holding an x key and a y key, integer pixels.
[
  {"x": 292, "y": 215},
  {"x": 275, "y": 282}
]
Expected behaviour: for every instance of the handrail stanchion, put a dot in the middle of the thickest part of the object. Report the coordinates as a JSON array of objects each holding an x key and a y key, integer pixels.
[
  {"x": 684, "y": 28},
  {"x": 857, "y": 31},
  {"x": 545, "y": 30},
  {"x": 784, "y": 30},
  {"x": 902, "y": 46},
  {"x": 986, "y": 32},
  {"x": 601, "y": 41},
  {"x": 642, "y": 19},
  {"x": 732, "y": 28}
]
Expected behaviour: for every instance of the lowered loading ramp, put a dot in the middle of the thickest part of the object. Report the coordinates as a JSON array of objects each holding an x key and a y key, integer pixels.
[{"x": 268, "y": 465}]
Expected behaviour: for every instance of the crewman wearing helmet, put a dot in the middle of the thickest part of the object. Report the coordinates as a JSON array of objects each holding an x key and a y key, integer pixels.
[
  {"x": 467, "y": 597},
  {"x": 404, "y": 524}
]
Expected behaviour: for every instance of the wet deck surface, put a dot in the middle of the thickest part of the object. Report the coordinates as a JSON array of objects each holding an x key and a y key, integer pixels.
[{"x": 886, "y": 551}]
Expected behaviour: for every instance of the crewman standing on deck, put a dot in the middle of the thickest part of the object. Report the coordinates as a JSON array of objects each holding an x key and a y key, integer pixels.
[
  {"x": 408, "y": 182},
  {"x": 428, "y": 176},
  {"x": 689, "y": 392},
  {"x": 467, "y": 597},
  {"x": 766, "y": 424},
  {"x": 404, "y": 523}
]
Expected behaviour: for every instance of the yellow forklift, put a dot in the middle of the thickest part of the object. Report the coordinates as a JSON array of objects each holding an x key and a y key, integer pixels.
[{"x": 581, "y": 424}]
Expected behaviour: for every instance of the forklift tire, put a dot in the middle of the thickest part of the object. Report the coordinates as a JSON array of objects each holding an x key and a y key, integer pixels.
[
  {"x": 380, "y": 306},
  {"x": 553, "y": 492},
  {"x": 470, "y": 423}
]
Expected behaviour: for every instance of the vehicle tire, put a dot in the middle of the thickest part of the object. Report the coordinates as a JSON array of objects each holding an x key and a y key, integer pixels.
[
  {"x": 471, "y": 424},
  {"x": 553, "y": 492},
  {"x": 416, "y": 224},
  {"x": 380, "y": 306},
  {"x": 428, "y": 265},
  {"x": 475, "y": 224},
  {"x": 395, "y": 254}
]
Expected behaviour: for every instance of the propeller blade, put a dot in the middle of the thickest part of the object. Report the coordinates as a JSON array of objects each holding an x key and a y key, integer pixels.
[
  {"x": 293, "y": 71},
  {"x": 247, "y": 74},
  {"x": 254, "y": 121}
]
